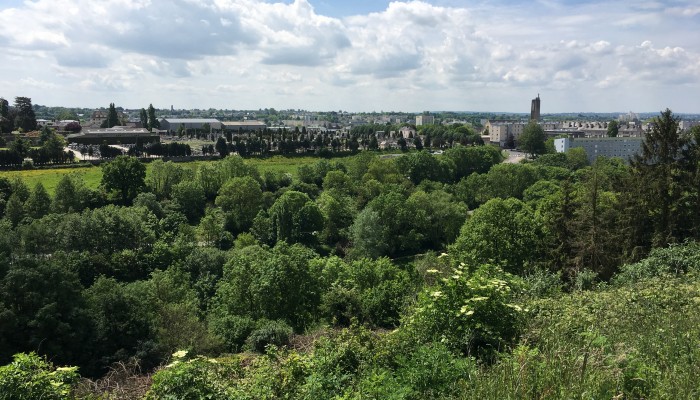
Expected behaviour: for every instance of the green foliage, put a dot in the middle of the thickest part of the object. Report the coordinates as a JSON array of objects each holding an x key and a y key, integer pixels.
[
  {"x": 163, "y": 176},
  {"x": 506, "y": 232},
  {"x": 532, "y": 139},
  {"x": 471, "y": 159},
  {"x": 197, "y": 378},
  {"x": 272, "y": 284},
  {"x": 422, "y": 165},
  {"x": 241, "y": 200},
  {"x": 613, "y": 128},
  {"x": 372, "y": 292},
  {"x": 39, "y": 203},
  {"x": 295, "y": 218},
  {"x": 667, "y": 262},
  {"x": 31, "y": 377},
  {"x": 125, "y": 176},
  {"x": 190, "y": 198},
  {"x": 275, "y": 333},
  {"x": 472, "y": 313}
]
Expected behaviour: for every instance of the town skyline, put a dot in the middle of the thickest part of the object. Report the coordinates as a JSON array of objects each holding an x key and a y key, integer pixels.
[{"x": 439, "y": 55}]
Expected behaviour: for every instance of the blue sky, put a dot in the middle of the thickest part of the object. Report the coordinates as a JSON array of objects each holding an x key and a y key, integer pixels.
[{"x": 477, "y": 55}]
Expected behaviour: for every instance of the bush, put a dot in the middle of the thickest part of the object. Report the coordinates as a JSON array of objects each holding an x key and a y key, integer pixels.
[
  {"x": 199, "y": 378},
  {"x": 32, "y": 377},
  {"x": 471, "y": 314},
  {"x": 269, "y": 332},
  {"x": 672, "y": 261},
  {"x": 234, "y": 330}
]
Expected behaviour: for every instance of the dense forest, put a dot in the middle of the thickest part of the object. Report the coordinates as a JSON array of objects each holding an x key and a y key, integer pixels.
[{"x": 409, "y": 277}]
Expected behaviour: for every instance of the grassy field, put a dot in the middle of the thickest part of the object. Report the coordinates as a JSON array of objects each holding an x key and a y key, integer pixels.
[{"x": 93, "y": 175}]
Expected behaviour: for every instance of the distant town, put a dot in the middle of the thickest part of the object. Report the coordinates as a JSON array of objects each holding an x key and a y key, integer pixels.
[{"x": 154, "y": 132}]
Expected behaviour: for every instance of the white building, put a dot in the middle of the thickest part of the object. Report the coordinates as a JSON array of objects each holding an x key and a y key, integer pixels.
[
  {"x": 621, "y": 147},
  {"x": 424, "y": 120}
]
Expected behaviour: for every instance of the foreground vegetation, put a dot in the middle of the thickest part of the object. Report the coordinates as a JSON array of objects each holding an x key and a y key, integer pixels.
[{"x": 359, "y": 278}]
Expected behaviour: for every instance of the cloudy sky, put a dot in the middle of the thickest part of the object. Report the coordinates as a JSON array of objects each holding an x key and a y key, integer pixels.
[{"x": 354, "y": 55}]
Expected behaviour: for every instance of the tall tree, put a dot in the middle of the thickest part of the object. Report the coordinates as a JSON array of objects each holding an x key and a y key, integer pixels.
[
  {"x": 39, "y": 202},
  {"x": 152, "y": 120},
  {"x": 112, "y": 116},
  {"x": 125, "y": 176},
  {"x": 532, "y": 139},
  {"x": 5, "y": 121},
  {"x": 25, "y": 118},
  {"x": 659, "y": 167},
  {"x": 613, "y": 128},
  {"x": 144, "y": 118}
]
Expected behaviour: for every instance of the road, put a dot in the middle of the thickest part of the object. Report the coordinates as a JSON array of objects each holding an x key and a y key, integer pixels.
[{"x": 514, "y": 156}]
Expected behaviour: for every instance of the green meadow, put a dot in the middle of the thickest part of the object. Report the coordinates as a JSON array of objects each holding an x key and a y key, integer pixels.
[{"x": 93, "y": 175}]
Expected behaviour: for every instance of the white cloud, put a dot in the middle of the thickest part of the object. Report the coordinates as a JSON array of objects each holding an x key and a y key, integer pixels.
[{"x": 412, "y": 54}]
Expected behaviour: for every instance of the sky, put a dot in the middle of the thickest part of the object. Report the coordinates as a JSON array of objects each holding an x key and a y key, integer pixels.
[{"x": 359, "y": 55}]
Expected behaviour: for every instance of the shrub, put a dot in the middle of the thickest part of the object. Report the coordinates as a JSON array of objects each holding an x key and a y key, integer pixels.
[
  {"x": 32, "y": 377},
  {"x": 199, "y": 378},
  {"x": 471, "y": 314},
  {"x": 234, "y": 330},
  {"x": 269, "y": 332}
]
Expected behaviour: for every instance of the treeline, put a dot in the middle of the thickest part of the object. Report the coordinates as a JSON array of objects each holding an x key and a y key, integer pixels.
[
  {"x": 221, "y": 258},
  {"x": 50, "y": 151}
]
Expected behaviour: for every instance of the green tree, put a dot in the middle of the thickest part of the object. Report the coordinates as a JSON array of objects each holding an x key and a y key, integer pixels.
[
  {"x": 152, "y": 120},
  {"x": 66, "y": 197},
  {"x": 39, "y": 202},
  {"x": 6, "y": 122},
  {"x": 112, "y": 117},
  {"x": 659, "y": 167},
  {"x": 125, "y": 176},
  {"x": 14, "y": 209},
  {"x": 143, "y": 117},
  {"x": 241, "y": 200},
  {"x": 221, "y": 147},
  {"x": 272, "y": 283},
  {"x": 163, "y": 176},
  {"x": 25, "y": 118},
  {"x": 191, "y": 200},
  {"x": 505, "y": 232},
  {"x": 613, "y": 128},
  {"x": 532, "y": 140},
  {"x": 295, "y": 217}
]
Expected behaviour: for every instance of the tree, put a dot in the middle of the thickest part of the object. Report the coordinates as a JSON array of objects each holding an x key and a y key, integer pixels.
[
  {"x": 125, "y": 176},
  {"x": 112, "y": 117},
  {"x": 532, "y": 140},
  {"x": 659, "y": 168},
  {"x": 39, "y": 202},
  {"x": 14, "y": 209},
  {"x": 189, "y": 195},
  {"x": 221, "y": 147},
  {"x": 66, "y": 198},
  {"x": 295, "y": 217},
  {"x": 143, "y": 117},
  {"x": 613, "y": 128},
  {"x": 152, "y": 120},
  {"x": 241, "y": 200},
  {"x": 505, "y": 232},
  {"x": 163, "y": 176},
  {"x": 25, "y": 118},
  {"x": 5, "y": 121}
]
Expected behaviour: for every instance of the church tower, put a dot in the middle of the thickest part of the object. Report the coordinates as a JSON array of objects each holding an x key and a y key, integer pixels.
[{"x": 535, "y": 108}]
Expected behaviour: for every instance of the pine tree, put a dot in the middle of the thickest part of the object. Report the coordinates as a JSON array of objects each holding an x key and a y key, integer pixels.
[
  {"x": 25, "y": 119},
  {"x": 659, "y": 167},
  {"x": 152, "y": 120},
  {"x": 112, "y": 116},
  {"x": 144, "y": 118},
  {"x": 39, "y": 202}
]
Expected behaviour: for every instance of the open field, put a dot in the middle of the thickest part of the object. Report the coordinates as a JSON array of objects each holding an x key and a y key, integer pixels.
[{"x": 93, "y": 175}]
